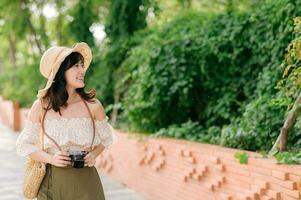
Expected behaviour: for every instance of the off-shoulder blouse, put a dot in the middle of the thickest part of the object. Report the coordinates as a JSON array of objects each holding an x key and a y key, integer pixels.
[{"x": 69, "y": 133}]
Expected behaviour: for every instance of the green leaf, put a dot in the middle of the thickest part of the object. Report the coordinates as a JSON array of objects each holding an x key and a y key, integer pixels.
[{"x": 242, "y": 157}]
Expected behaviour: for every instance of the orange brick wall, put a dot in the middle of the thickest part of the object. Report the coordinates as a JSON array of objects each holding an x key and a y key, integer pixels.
[
  {"x": 170, "y": 169},
  {"x": 23, "y": 115},
  {"x": 9, "y": 114}
]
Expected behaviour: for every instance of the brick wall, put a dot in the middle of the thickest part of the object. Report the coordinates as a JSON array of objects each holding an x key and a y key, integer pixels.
[
  {"x": 170, "y": 169},
  {"x": 9, "y": 113},
  {"x": 23, "y": 115}
]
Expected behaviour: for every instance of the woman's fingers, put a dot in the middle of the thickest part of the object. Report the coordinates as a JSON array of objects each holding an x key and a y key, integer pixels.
[
  {"x": 61, "y": 159},
  {"x": 63, "y": 153},
  {"x": 90, "y": 163},
  {"x": 88, "y": 156},
  {"x": 64, "y": 158},
  {"x": 63, "y": 162},
  {"x": 87, "y": 148},
  {"x": 90, "y": 159}
]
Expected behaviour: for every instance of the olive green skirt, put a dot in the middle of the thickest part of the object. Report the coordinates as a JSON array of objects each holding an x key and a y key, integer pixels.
[{"x": 61, "y": 183}]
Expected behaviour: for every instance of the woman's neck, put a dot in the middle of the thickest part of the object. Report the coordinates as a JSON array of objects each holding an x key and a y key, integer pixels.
[{"x": 73, "y": 96}]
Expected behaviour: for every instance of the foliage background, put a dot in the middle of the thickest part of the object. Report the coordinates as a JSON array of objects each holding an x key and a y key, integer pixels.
[{"x": 222, "y": 71}]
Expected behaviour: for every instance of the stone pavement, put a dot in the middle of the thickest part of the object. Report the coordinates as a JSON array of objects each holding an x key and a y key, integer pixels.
[{"x": 12, "y": 169}]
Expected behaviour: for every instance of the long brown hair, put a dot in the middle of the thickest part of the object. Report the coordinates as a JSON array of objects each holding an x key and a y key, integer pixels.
[{"x": 57, "y": 95}]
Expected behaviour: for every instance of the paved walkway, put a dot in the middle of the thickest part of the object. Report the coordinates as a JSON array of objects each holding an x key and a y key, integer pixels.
[{"x": 12, "y": 169}]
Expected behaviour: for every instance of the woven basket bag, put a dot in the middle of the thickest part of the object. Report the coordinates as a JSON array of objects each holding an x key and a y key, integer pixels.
[{"x": 34, "y": 172}]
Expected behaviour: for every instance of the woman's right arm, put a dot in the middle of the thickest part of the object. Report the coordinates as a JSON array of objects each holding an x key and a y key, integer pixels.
[{"x": 28, "y": 142}]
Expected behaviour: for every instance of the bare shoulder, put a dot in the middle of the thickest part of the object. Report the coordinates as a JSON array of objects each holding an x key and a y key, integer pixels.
[
  {"x": 35, "y": 111},
  {"x": 97, "y": 109}
]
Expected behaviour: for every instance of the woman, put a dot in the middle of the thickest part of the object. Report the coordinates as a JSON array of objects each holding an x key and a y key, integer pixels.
[{"x": 72, "y": 121}]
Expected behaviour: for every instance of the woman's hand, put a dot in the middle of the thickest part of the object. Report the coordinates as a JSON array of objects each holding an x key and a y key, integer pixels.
[
  {"x": 61, "y": 159},
  {"x": 90, "y": 158}
]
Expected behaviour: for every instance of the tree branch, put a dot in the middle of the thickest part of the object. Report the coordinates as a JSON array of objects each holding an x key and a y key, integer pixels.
[{"x": 281, "y": 142}]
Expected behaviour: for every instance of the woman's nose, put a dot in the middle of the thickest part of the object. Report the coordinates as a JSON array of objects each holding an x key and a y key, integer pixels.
[
  {"x": 81, "y": 73},
  {"x": 82, "y": 70}
]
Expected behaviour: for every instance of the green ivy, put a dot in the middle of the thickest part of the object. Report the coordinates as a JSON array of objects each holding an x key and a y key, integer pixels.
[
  {"x": 219, "y": 71},
  {"x": 242, "y": 157},
  {"x": 288, "y": 157}
]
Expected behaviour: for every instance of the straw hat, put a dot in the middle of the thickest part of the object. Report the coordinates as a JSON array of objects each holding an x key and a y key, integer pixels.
[{"x": 54, "y": 56}]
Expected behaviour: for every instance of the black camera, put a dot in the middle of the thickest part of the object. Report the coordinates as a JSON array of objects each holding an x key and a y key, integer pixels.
[{"x": 77, "y": 158}]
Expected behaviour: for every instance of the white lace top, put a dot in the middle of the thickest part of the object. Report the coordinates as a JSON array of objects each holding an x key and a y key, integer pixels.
[{"x": 69, "y": 133}]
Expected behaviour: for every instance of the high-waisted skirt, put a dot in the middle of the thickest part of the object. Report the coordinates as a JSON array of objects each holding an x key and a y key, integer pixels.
[{"x": 61, "y": 183}]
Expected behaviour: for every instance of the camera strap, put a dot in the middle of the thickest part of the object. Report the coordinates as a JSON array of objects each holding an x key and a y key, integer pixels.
[{"x": 56, "y": 144}]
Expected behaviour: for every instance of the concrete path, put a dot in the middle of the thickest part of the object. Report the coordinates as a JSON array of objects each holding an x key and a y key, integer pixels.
[{"x": 12, "y": 172}]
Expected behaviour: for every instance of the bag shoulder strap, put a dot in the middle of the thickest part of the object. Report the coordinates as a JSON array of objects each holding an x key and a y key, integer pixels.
[
  {"x": 41, "y": 133},
  {"x": 93, "y": 122},
  {"x": 44, "y": 132}
]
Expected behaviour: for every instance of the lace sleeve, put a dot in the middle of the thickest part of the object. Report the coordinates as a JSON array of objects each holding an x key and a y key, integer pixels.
[
  {"x": 28, "y": 140},
  {"x": 105, "y": 132}
]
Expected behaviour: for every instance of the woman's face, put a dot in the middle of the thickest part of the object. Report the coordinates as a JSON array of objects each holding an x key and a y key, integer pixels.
[{"x": 75, "y": 75}]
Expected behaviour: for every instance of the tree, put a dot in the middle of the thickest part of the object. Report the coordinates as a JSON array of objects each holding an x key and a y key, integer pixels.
[
  {"x": 125, "y": 18},
  {"x": 83, "y": 18}
]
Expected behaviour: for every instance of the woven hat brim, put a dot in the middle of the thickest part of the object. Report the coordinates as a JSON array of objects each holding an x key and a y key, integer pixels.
[{"x": 81, "y": 48}]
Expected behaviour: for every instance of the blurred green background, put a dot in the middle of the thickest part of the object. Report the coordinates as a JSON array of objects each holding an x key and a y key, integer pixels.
[{"x": 215, "y": 71}]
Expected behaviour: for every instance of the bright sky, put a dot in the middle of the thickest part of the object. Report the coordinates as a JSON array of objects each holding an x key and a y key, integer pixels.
[{"x": 97, "y": 29}]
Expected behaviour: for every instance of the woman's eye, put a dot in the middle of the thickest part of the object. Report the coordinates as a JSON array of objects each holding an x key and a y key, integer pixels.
[{"x": 79, "y": 65}]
